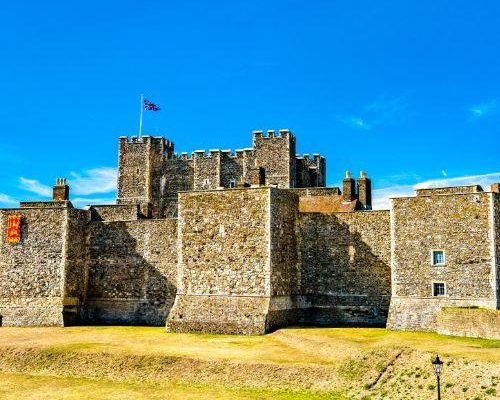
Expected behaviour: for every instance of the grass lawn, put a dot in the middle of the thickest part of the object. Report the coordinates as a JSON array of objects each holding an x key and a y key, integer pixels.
[{"x": 293, "y": 363}]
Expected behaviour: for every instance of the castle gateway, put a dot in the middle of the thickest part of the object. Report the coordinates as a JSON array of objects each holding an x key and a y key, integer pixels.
[{"x": 249, "y": 241}]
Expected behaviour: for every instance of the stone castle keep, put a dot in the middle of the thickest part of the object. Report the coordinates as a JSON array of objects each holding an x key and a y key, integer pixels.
[{"x": 250, "y": 241}]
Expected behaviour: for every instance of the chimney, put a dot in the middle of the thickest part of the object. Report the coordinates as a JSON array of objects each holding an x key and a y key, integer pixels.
[
  {"x": 365, "y": 191},
  {"x": 60, "y": 191},
  {"x": 348, "y": 187},
  {"x": 495, "y": 187}
]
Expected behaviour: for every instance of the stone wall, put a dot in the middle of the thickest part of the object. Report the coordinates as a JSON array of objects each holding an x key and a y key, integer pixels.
[
  {"x": 76, "y": 264},
  {"x": 284, "y": 263},
  {"x": 345, "y": 267},
  {"x": 114, "y": 212},
  {"x": 42, "y": 278},
  {"x": 223, "y": 282},
  {"x": 133, "y": 271},
  {"x": 496, "y": 234},
  {"x": 458, "y": 224},
  {"x": 238, "y": 266},
  {"x": 470, "y": 322},
  {"x": 276, "y": 154}
]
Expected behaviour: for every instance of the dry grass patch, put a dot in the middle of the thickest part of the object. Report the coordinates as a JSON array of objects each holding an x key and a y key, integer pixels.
[{"x": 322, "y": 362}]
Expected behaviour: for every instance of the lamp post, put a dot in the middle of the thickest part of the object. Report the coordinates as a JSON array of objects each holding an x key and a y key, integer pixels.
[{"x": 438, "y": 365}]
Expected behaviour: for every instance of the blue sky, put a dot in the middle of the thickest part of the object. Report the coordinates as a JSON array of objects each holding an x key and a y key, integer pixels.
[{"x": 408, "y": 91}]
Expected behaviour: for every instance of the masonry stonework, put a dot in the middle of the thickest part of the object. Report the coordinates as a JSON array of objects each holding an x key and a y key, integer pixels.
[
  {"x": 458, "y": 223},
  {"x": 345, "y": 267},
  {"x": 248, "y": 241}
]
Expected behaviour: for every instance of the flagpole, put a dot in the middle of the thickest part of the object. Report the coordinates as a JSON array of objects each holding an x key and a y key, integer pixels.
[{"x": 140, "y": 118}]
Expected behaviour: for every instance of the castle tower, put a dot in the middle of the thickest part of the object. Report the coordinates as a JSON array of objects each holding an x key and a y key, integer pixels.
[
  {"x": 60, "y": 191},
  {"x": 348, "y": 187},
  {"x": 139, "y": 161},
  {"x": 276, "y": 154},
  {"x": 365, "y": 191}
]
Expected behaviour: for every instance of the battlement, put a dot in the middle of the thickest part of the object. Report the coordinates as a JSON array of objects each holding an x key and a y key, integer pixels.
[
  {"x": 316, "y": 158},
  {"x": 272, "y": 134},
  {"x": 159, "y": 143}
]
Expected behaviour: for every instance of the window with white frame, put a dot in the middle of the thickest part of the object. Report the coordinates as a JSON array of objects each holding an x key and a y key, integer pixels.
[
  {"x": 438, "y": 289},
  {"x": 207, "y": 182},
  {"x": 232, "y": 183},
  {"x": 438, "y": 257}
]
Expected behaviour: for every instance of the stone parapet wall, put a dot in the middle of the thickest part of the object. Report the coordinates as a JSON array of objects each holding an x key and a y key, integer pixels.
[
  {"x": 470, "y": 322},
  {"x": 115, "y": 212},
  {"x": 133, "y": 271},
  {"x": 345, "y": 267}
]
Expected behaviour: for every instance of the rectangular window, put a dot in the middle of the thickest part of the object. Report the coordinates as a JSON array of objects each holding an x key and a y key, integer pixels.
[
  {"x": 438, "y": 289},
  {"x": 438, "y": 257},
  {"x": 232, "y": 183}
]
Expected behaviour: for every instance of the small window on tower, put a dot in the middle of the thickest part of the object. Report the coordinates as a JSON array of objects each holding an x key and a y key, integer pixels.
[
  {"x": 232, "y": 183},
  {"x": 438, "y": 257},
  {"x": 207, "y": 181},
  {"x": 438, "y": 289}
]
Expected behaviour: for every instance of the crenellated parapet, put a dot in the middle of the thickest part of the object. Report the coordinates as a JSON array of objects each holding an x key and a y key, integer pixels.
[
  {"x": 151, "y": 172},
  {"x": 311, "y": 171}
]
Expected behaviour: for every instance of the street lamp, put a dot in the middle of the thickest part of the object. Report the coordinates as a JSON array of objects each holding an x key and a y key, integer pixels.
[{"x": 438, "y": 366}]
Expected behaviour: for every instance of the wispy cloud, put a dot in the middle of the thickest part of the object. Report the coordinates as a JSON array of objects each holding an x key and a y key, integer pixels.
[
  {"x": 7, "y": 201},
  {"x": 34, "y": 186},
  {"x": 381, "y": 196},
  {"x": 380, "y": 112},
  {"x": 355, "y": 122},
  {"x": 92, "y": 181},
  {"x": 100, "y": 180},
  {"x": 482, "y": 109}
]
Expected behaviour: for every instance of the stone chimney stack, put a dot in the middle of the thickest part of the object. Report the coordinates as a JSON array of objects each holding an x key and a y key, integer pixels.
[
  {"x": 60, "y": 191},
  {"x": 495, "y": 187},
  {"x": 365, "y": 191},
  {"x": 348, "y": 187}
]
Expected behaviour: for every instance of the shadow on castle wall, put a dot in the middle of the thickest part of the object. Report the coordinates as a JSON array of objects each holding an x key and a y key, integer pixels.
[
  {"x": 345, "y": 276},
  {"x": 132, "y": 275}
]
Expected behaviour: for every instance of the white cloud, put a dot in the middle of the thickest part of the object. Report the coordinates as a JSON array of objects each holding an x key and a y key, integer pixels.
[
  {"x": 6, "y": 200},
  {"x": 34, "y": 186},
  {"x": 381, "y": 196},
  {"x": 483, "y": 109},
  {"x": 91, "y": 181}
]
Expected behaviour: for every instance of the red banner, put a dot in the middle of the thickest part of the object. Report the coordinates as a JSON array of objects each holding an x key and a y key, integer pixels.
[{"x": 14, "y": 228}]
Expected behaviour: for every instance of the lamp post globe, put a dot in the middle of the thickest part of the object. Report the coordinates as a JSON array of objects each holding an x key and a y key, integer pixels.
[{"x": 438, "y": 367}]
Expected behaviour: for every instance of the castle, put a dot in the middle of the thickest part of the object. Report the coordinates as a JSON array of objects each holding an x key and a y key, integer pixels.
[{"x": 249, "y": 241}]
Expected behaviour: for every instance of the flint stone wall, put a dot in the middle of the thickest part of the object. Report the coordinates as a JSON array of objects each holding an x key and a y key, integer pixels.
[
  {"x": 33, "y": 288},
  {"x": 133, "y": 271},
  {"x": 459, "y": 224},
  {"x": 469, "y": 322},
  {"x": 236, "y": 274},
  {"x": 345, "y": 275},
  {"x": 115, "y": 212},
  {"x": 496, "y": 225}
]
